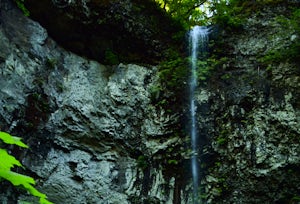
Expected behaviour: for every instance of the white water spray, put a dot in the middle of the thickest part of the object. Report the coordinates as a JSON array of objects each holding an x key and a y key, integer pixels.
[{"x": 198, "y": 39}]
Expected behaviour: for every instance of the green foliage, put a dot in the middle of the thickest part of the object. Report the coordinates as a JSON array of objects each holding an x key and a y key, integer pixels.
[
  {"x": 173, "y": 76},
  {"x": 273, "y": 56},
  {"x": 173, "y": 71},
  {"x": 270, "y": 2},
  {"x": 7, "y": 162},
  {"x": 185, "y": 11},
  {"x": 221, "y": 140},
  {"x": 218, "y": 164},
  {"x": 229, "y": 14},
  {"x": 8, "y": 139},
  {"x": 172, "y": 161},
  {"x": 226, "y": 76},
  {"x": 20, "y": 4},
  {"x": 291, "y": 52},
  {"x": 204, "y": 69},
  {"x": 51, "y": 63},
  {"x": 155, "y": 91},
  {"x": 110, "y": 57},
  {"x": 142, "y": 162},
  {"x": 296, "y": 198}
]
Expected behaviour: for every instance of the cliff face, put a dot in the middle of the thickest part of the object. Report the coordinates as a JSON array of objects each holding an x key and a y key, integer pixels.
[
  {"x": 249, "y": 110},
  {"x": 94, "y": 135}
]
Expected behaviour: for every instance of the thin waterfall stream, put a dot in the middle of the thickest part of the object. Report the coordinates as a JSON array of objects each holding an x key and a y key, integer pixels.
[{"x": 198, "y": 39}]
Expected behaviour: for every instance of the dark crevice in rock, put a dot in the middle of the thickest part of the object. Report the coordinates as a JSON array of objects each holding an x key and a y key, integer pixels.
[{"x": 116, "y": 31}]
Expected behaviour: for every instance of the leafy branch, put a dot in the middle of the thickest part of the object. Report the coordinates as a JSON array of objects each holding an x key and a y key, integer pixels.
[{"x": 7, "y": 162}]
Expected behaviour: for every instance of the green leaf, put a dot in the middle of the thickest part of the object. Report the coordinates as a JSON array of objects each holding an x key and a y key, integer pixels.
[
  {"x": 7, "y": 161},
  {"x": 8, "y": 139},
  {"x": 34, "y": 191},
  {"x": 25, "y": 181},
  {"x": 16, "y": 179},
  {"x": 45, "y": 201}
]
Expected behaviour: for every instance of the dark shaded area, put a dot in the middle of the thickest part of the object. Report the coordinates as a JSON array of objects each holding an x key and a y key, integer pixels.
[{"x": 109, "y": 31}]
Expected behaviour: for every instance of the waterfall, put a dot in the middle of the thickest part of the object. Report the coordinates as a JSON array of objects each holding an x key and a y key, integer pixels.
[{"x": 198, "y": 39}]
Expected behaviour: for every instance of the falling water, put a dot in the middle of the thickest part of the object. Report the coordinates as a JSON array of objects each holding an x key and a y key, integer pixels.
[{"x": 198, "y": 39}]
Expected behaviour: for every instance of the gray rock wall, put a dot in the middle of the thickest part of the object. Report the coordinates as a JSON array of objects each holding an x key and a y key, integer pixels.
[
  {"x": 94, "y": 135},
  {"x": 252, "y": 116}
]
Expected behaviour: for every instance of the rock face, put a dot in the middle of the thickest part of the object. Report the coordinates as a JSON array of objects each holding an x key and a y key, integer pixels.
[
  {"x": 94, "y": 135},
  {"x": 108, "y": 31},
  {"x": 250, "y": 114}
]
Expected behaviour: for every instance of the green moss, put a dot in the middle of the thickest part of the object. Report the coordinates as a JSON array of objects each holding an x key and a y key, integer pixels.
[
  {"x": 51, "y": 63},
  {"x": 142, "y": 162},
  {"x": 226, "y": 76},
  {"x": 173, "y": 72},
  {"x": 173, "y": 75},
  {"x": 20, "y": 4},
  {"x": 203, "y": 70},
  {"x": 221, "y": 140},
  {"x": 162, "y": 102},
  {"x": 155, "y": 91},
  {"x": 172, "y": 161},
  {"x": 296, "y": 199},
  {"x": 291, "y": 52},
  {"x": 203, "y": 196},
  {"x": 218, "y": 164},
  {"x": 110, "y": 57},
  {"x": 270, "y": 2},
  {"x": 230, "y": 16},
  {"x": 273, "y": 56}
]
